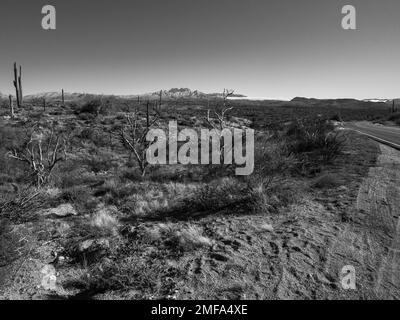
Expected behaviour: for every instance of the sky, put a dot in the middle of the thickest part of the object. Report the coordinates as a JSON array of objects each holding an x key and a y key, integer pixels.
[{"x": 275, "y": 49}]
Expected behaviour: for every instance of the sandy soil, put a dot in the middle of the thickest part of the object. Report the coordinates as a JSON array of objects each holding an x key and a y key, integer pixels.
[{"x": 300, "y": 255}]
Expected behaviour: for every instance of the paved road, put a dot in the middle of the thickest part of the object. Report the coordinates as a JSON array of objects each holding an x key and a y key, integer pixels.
[{"x": 385, "y": 134}]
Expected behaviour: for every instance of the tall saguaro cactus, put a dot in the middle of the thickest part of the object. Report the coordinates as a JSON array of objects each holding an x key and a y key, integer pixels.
[
  {"x": 11, "y": 106},
  {"x": 62, "y": 97},
  {"x": 21, "y": 96},
  {"x": 18, "y": 84}
]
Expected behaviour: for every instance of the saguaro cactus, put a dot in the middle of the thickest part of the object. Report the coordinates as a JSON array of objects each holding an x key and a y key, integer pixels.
[
  {"x": 18, "y": 84},
  {"x": 11, "y": 106},
  {"x": 21, "y": 96},
  {"x": 62, "y": 97}
]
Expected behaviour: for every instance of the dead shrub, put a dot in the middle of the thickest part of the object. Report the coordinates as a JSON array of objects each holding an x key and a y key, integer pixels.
[{"x": 23, "y": 207}]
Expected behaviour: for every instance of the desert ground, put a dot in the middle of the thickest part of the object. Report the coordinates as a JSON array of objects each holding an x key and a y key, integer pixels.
[{"x": 92, "y": 225}]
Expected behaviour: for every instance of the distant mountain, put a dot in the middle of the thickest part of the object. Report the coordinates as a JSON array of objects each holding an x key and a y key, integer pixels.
[
  {"x": 57, "y": 96},
  {"x": 344, "y": 103},
  {"x": 174, "y": 93},
  {"x": 315, "y": 101}
]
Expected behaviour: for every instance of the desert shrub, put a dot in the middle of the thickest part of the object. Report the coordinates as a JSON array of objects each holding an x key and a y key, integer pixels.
[
  {"x": 41, "y": 151},
  {"x": 327, "y": 181},
  {"x": 105, "y": 219},
  {"x": 395, "y": 117},
  {"x": 99, "y": 106},
  {"x": 91, "y": 106},
  {"x": 226, "y": 195},
  {"x": 87, "y": 117},
  {"x": 333, "y": 146},
  {"x": 314, "y": 141},
  {"x": 98, "y": 162},
  {"x": 80, "y": 197},
  {"x": 130, "y": 175},
  {"x": 87, "y": 134},
  {"x": 150, "y": 279},
  {"x": 176, "y": 237},
  {"x": 98, "y": 138},
  {"x": 23, "y": 207},
  {"x": 281, "y": 195},
  {"x": 71, "y": 174},
  {"x": 72, "y": 105},
  {"x": 189, "y": 238},
  {"x": 308, "y": 134},
  {"x": 273, "y": 160},
  {"x": 8, "y": 241},
  {"x": 115, "y": 190},
  {"x": 336, "y": 117}
]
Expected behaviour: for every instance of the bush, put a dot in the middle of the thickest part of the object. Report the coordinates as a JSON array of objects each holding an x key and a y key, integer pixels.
[
  {"x": 8, "y": 241},
  {"x": 99, "y": 163},
  {"x": 395, "y": 117},
  {"x": 80, "y": 197},
  {"x": 315, "y": 140},
  {"x": 149, "y": 279},
  {"x": 92, "y": 107},
  {"x": 227, "y": 195},
  {"x": 327, "y": 181},
  {"x": 337, "y": 117},
  {"x": 272, "y": 160},
  {"x": 23, "y": 207},
  {"x": 178, "y": 238}
]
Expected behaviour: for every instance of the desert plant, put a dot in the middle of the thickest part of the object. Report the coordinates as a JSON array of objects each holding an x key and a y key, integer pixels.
[
  {"x": 273, "y": 161},
  {"x": 11, "y": 106},
  {"x": 18, "y": 84},
  {"x": 92, "y": 106},
  {"x": 41, "y": 151},
  {"x": 22, "y": 207},
  {"x": 316, "y": 136},
  {"x": 133, "y": 135},
  {"x": 327, "y": 181},
  {"x": 219, "y": 123}
]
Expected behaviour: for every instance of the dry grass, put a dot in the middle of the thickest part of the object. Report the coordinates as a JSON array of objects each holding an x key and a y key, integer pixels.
[{"x": 327, "y": 181}]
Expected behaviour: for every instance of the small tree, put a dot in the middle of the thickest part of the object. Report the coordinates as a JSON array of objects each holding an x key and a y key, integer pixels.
[
  {"x": 41, "y": 152},
  {"x": 133, "y": 135},
  {"x": 219, "y": 123}
]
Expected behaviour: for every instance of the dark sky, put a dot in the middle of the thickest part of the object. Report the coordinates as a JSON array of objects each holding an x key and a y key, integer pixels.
[{"x": 276, "y": 49}]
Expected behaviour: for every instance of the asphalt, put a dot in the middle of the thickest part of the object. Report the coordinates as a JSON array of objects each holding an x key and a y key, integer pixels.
[{"x": 385, "y": 134}]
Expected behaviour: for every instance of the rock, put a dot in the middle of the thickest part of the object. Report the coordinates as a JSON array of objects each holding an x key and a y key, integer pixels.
[
  {"x": 267, "y": 227},
  {"x": 342, "y": 189},
  {"x": 91, "y": 250},
  {"x": 49, "y": 278},
  {"x": 63, "y": 210}
]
